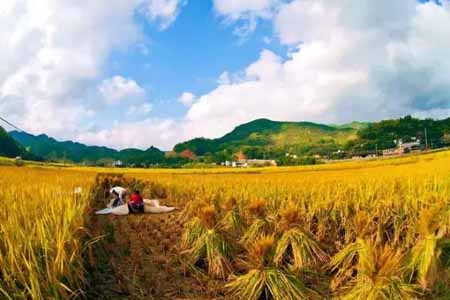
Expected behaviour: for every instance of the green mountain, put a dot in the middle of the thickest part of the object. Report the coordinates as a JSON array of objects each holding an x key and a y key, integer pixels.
[
  {"x": 266, "y": 138},
  {"x": 261, "y": 139},
  {"x": 51, "y": 149},
  {"x": 8, "y": 146},
  {"x": 11, "y": 148},
  {"x": 270, "y": 139}
]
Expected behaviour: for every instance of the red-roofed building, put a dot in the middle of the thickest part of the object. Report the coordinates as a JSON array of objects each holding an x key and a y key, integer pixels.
[
  {"x": 241, "y": 156},
  {"x": 188, "y": 154}
]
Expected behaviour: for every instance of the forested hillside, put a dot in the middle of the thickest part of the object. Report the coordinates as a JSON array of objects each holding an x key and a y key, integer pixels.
[
  {"x": 11, "y": 148},
  {"x": 265, "y": 138},
  {"x": 270, "y": 139},
  {"x": 54, "y": 150},
  {"x": 259, "y": 139}
]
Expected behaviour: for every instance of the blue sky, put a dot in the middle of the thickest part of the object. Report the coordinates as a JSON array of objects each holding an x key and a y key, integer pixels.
[
  {"x": 136, "y": 73},
  {"x": 190, "y": 55}
]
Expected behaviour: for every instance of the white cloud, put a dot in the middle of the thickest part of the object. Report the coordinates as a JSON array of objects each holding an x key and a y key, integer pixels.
[
  {"x": 140, "y": 110},
  {"x": 297, "y": 21},
  {"x": 348, "y": 60},
  {"x": 377, "y": 60},
  {"x": 236, "y": 9},
  {"x": 53, "y": 53},
  {"x": 187, "y": 99},
  {"x": 224, "y": 78},
  {"x": 118, "y": 88},
  {"x": 140, "y": 134},
  {"x": 164, "y": 11},
  {"x": 267, "y": 40},
  {"x": 248, "y": 11}
]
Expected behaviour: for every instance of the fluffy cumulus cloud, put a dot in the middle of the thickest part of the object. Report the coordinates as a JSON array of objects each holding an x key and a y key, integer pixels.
[
  {"x": 136, "y": 134},
  {"x": 53, "y": 54},
  {"x": 247, "y": 11},
  {"x": 118, "y": 88},
  {"x": 164, "y": 11},
  {"x": 187, "y": 99},
  {"x": 348, "y": 61},
  {"x": 236, "y": 9},
  {"x": 140, "y": 110}
]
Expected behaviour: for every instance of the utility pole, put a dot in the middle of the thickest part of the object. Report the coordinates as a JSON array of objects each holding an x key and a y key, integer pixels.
[
  {"x": 376, "y": 149},
  {"x": 426, "y": 139}
]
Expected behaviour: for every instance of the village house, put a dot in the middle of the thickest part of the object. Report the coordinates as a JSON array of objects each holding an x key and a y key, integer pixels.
[
  {"x": 188, "y": 154},
  {"x": 256, "y": 163},
  {"x": 408, "y": 147},
  {"x": 402, "y": 148}
]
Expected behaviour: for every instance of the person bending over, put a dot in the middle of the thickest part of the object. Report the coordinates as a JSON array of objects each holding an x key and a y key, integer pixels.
[{"x": 119, "y": 194}]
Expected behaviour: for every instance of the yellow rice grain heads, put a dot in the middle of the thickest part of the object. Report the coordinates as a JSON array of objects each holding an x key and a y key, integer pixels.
[
  {"x": 430, "y": 255},
  {"x": 297, "y": 247},
  {"x": 232, "y": 221},
  {"x": 206, "y": 244},
  {"x": 263, "y": 278},
  {"x": 369, "y": 271},
  {"x": 259, "y": 221}
]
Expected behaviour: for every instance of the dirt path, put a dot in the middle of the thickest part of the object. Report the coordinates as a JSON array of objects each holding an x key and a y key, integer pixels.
[{"x": 138, "y": 259}]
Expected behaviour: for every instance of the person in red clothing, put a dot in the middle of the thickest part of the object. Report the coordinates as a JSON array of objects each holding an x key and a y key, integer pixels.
[{"x": 136, "y": 203}]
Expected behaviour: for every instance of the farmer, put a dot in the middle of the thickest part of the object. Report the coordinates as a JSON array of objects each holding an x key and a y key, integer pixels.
[
  {"x": 136, "y": 203},
  {"x": 119, "y": 194}
]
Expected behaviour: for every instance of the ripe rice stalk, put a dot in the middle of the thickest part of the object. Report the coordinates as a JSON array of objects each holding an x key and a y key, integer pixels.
[
  {"x": 206, "y": 244},
  {"x": 300, "y": 249},
  {"x": 264, "y": 278},
  {"x": 380, "y": 275},
  {"x": 430, "y": 249},
  {"x": 212, "y": 249},
  {"x": 194, "y": 230},
  {"x": 259, "y": 220}
]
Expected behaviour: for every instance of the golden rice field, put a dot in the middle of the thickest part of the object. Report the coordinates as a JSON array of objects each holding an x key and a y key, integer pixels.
[{"x": 356, "y": 230}]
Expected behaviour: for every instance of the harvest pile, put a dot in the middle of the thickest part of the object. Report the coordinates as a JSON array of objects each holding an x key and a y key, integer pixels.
[{"x": 375, "y": 230}]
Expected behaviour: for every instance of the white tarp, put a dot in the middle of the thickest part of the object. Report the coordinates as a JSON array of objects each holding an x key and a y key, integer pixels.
[
  {"x": 150, "y": 206},
  {"x": 106, "y": 211},
  {"x": 153, "y": 207}
]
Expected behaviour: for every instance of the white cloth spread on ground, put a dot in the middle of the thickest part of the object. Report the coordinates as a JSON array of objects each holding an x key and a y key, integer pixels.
[
  {"x": 105, "y": 211},
  {"x": 150, "y": 206},
  {"x": 153, "y": 206}
]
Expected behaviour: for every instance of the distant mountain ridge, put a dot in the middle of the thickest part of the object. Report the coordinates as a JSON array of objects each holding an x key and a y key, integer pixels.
[
  {"x": 259, "y": 138},
  {"x": 287, "y": 142},
  {"x": 51, "y": 149}
]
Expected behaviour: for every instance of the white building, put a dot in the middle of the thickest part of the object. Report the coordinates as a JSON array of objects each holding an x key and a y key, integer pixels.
[{"x": 257, "y": 163}]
